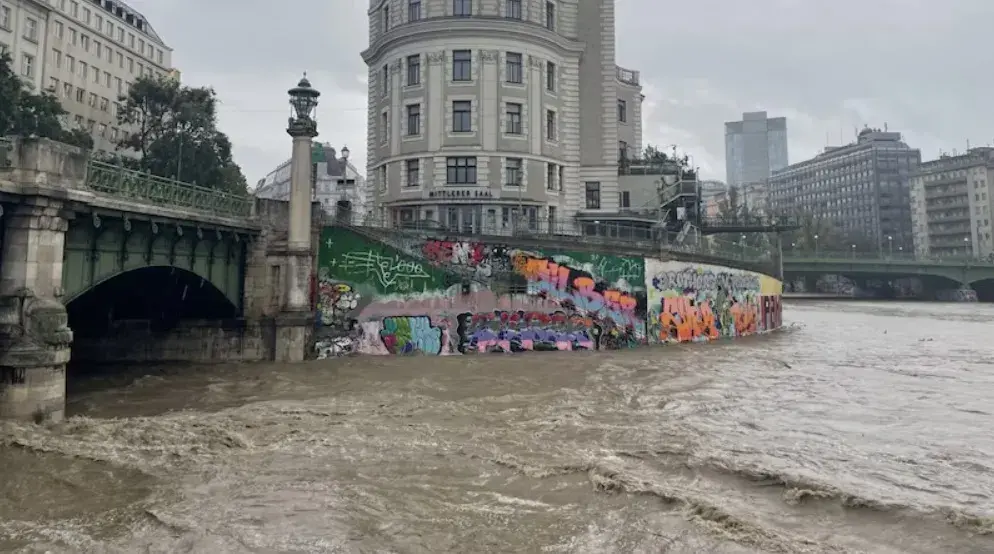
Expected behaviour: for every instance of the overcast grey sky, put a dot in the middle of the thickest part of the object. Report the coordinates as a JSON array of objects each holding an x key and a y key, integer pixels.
[{"x": 922, "y": 67}]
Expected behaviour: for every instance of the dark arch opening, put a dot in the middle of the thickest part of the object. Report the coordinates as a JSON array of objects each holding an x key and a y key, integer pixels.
[
  {"x": 161, "y": 295},
  {"x": 149, "y": 301},
  {"x": 985, "y": 289}
]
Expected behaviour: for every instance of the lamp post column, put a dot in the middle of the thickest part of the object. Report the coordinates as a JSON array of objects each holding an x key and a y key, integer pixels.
[{"x": 296, "y": 321}]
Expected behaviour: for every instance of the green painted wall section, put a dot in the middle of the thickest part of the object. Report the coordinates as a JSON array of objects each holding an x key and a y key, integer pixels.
[
  {"x": 94, "y": 254},
  {"x": 349, "y": 256}
]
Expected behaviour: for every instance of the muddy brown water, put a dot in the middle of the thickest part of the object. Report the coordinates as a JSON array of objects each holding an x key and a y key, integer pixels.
[{"x": 862, "y": 427}]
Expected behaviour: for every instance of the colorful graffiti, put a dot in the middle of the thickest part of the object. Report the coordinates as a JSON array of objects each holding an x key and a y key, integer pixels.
[
  {"x": 438, "y": 297},
  {"x": 694, "y": 302}
]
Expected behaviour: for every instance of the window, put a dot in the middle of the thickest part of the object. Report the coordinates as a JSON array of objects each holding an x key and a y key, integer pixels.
[
  {"x": 550, "y": 125},
  {"x": 120, "y": 60},
  {"x": 92, "y": 100},
  {"x": 413, "y": 173},
  {"x": 31, "y": 29},
  {"x": 74, "y": 9},
  {"x": 104, "y": 104},
  {"x": 102, "y": 129},
  {"x": 414, "y": 119},
  {"x": 83, "y": 69},
  {"x": 131, "y": 41},
  {"x": 67, "y": 90},
  {"x": 413, "y": 70},
  {"x": 27, "y": 65},
  {"x": 512, "y": 10},
  {"x": 98, "y": 49},
  {"x": 57, "y": 58},
  {"x": 4, "y": 17},
  {"x": 550, "y": 176},
  {"x": 384, "y": 126},
  {"x": 96, "y": 76},
  {"x": 550, "y": 76},
  {"x": 99, "y": 24},
  {"x": 622, "y": 111},
  {"x": 386, "y": 18},
  {"x": 622, "y": 150},
  {"x": 158, "y": 56},
  {"x": 550, "y": 16},
  {"x": 120, "y": 34},
  {"x": 80, "y": 95},
  {"x": 84, "y": 42},
  {"x": 73, "y": 37},
  {"x": 515, "y": 63},
  {"x": 461, "y": 171},
  {"x": 414, "y": 10},
  {"x": 131, "y": 65},
  {"x": 462, "y": 65},
  {"x": 106, "y": 79},
  {"x": 385, "y": 84},
  {"x": 462, "y": 116},
  {"x": 71, "y": 64},
  {"x": 462, "y": 8},
  {"x": 513, "y": 119},
  {"x": 53, "y": 84},
  {"x": 513, "y": 171},
  {"x": 60, "y": 30},
  {"x": 593, "y": 195},
  {"x": 625, "y": 199},
  {"x": 86, "y": 15}
]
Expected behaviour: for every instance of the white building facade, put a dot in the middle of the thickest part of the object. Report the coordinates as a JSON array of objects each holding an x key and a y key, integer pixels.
[
  {"x": 487, "y": 114},
  {"x": 337, "y": 185},
  {"x": 87, "y": 53},
  {"x": 952, "y": 199}
]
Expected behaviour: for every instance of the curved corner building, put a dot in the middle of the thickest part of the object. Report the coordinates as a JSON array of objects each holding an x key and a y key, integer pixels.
[{"x": 487, "y": 114}]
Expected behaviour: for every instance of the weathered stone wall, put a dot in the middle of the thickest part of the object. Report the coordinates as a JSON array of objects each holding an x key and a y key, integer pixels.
[
  {"x": 192, "y": 341},
  {"x": 410, "y": 294}
]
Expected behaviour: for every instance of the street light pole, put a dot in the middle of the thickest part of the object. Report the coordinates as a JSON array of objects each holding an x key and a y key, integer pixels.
[
  {"x": 295, "y": 322},
  {"x": 816, "y": 246},
  {"x": 890, "y": 244}
]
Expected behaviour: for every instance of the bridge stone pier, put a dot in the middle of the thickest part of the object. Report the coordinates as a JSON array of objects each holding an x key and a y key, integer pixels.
[{"x": 100, "y": 264}]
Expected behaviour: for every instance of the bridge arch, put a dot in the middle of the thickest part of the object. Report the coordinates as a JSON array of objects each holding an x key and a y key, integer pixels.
[
  {"x": 160, "y": 295},
  {"x": 984, "y": 288},
  {"x": 100, "y": 248}
]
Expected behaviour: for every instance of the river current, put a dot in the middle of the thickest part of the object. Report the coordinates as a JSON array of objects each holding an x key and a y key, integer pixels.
[{"x": 861, "y": 427}]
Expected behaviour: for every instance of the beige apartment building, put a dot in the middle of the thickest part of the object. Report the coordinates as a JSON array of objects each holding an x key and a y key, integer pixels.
[
  {"x": 86, "y": 52},
  {"x": 490, "y": 114},
  {"x": 951, "y": 203}
]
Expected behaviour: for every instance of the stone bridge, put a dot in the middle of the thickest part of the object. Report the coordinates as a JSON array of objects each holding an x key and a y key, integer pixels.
[
  {"x": 102, "y": 264},
  {"x": 936, "y": 274}
]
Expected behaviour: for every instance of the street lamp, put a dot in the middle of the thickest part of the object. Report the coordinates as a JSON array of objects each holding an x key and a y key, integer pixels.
[
  {"x": 890, "y": 244},
  {"x": 966, "y": 244},
  {"x": 298, "y": 315},
  {"x": 854, "y": 251},
  {"x": 816, "y": 245}
]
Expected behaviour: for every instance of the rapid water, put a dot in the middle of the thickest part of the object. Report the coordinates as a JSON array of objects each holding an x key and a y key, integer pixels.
[{"x": 863, "y": 427}]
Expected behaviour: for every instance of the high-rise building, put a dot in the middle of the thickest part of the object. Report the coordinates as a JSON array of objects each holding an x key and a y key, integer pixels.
[
  {"x": 862, "y": 188},
  {"x": 337, "y": 185},
  {"x": 951, "y": 203},
  {"x": 86, "y": 52},
  {"x": 486, "y": 115},
  {"x": 754, "y": 148}
]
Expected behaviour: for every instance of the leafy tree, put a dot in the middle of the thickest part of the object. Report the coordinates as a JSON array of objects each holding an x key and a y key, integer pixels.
[
  {"x": 23, "y": 113},
  {"x": 176, "y": 134}
]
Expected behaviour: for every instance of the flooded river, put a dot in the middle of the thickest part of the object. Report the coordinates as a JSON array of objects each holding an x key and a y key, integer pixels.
[{"x": 863, "y": 427}]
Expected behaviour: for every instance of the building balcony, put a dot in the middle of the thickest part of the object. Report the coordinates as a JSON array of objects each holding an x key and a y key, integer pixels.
[
  {"x": 937, "y": 231},
  {"x": 952, "y": 192}
]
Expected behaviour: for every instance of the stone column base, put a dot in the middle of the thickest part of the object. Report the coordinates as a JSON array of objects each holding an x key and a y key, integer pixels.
[
  {"x": 294, "y": 333},
  {"x": 33, "y": 394}
]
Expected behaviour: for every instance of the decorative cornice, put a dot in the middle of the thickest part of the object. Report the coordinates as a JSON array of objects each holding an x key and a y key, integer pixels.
[
  {"x": 471, "y": 28},
  {"x": 396, "y": 66},
  {"x": 490, "y": 56},
  {"x": 436, "y": 58},
  {"x": 535, "y": 61}
]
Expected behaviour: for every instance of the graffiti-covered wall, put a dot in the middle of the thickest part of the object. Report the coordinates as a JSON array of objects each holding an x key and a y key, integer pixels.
[{"x": 441, "y": 297}]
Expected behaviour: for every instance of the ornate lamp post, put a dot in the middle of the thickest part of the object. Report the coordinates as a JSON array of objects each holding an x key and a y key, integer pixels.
[{"x": 297, "y": 318}]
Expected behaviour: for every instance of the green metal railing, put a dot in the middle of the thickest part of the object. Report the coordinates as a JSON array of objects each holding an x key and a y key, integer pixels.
[
  {"x": 128, "y": 184},
  {"x": 604, "y": 234},
  {"x": 886, "y": 257}
]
